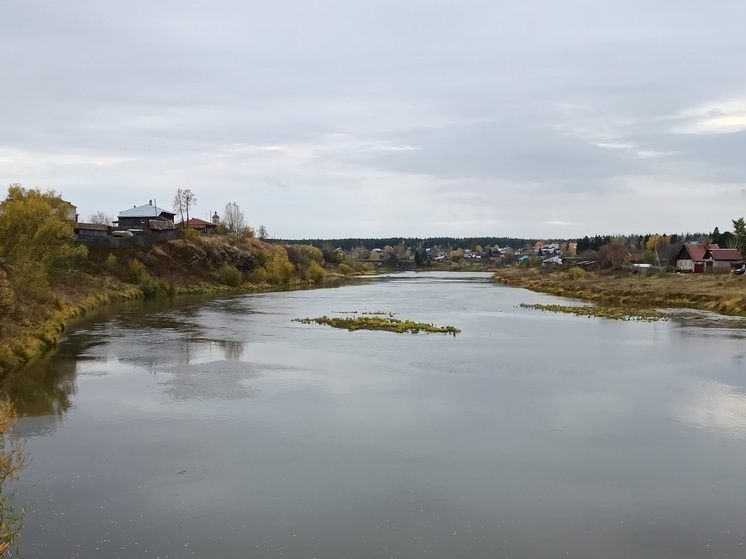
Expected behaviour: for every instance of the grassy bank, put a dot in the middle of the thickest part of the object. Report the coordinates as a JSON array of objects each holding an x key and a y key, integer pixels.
[
  {"x": 36, "y": 311},
  {"x": 720, "y": 293}
]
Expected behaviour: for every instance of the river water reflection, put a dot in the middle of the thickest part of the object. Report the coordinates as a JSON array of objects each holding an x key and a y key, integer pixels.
[{"x": 218, "y": 428}]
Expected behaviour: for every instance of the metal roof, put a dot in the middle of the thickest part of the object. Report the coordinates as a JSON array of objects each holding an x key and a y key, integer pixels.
[
  {"x": 146, "y": 210},
  {"x": 196, "y": 223},
  {"x": 697, "y": 252},
  {"x": 728, "y": 254}
]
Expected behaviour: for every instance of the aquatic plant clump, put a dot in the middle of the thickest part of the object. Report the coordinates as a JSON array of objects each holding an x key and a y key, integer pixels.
[
  {"x": 380, "y": 323},
  {"x": 613, "y": 313}
]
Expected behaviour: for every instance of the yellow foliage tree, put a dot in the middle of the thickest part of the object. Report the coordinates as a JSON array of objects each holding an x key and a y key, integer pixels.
[
  {"x": 654, "y": 241},
  {"x": 34, "y": 227}
]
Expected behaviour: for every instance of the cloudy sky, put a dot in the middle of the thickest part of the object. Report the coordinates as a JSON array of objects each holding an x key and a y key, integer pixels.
[{"x": 324, "y": 118}]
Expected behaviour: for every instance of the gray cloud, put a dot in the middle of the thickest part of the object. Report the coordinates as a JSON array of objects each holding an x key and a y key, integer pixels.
[{"x": 356, "y": 118}]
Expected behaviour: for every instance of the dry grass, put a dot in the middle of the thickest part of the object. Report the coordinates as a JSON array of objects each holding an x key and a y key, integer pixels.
[{"x": 721, "y": 293}]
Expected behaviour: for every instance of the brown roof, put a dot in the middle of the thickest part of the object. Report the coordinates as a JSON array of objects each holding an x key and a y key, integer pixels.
[
  {"x": 727, "y": 254},
  {"x": 91, "y": 227},
  {"x": 160, "y": 225},
  {"x": 196, "y": 223},
  {"x": 696, "y": 252}
]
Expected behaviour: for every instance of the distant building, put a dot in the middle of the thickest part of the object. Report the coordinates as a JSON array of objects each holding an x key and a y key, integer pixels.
[
  {"x": 146, "y": 218},
  {"x": 91, "y": 231},
  {"x": 199, "y": 225},
  {"x": 691, "y": 257},
  {"x": 70, "y": 211},
  {"x": 722, "y": 259}
]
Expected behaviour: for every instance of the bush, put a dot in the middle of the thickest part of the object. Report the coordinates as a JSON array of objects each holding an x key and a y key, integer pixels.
[
  {"x": 345, "y": 269},
  {"x": 315, "y": 272},
  {"x": 230, "y": 275},
  {"x": 152, "y": 287},
  {"x": 576, "y": 273},
  {"x": 136, "y": 272},
  {"x": 111, "y": 261},
  {"x": 274, "y": 267},
  {"x": 303, "y": 255},
  {"x": 190, "y": 234}
]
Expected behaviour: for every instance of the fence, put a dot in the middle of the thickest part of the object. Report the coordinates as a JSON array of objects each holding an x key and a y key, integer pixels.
[{"x": 137, "y": 240}]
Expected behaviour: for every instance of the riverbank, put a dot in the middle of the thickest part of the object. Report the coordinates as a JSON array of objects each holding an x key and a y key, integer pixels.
[
  {"x": 724, "y": 293},
  {"x": 35, "y": 321}
]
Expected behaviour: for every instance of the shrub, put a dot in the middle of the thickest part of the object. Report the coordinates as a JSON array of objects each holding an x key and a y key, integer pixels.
[
  {"x": 111, "y": 261},
  {"x": 190, "y": 234},
  {"x": 274, "y": 267},
  {"x": 315, "y": 272},
  {"x": 303, "y": 255},
  {"x": 152, "y": 287},
  {"x": 136, "y": 272},
  {"x": 230, "y": 275},
  {"x": 345, "y": 269},
  {"x": 576, "y": 273}
]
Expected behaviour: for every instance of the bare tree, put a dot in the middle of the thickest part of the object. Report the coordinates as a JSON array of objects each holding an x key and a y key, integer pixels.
[
  {"x": 100, "y": 218},
  {"x": 178, "y": 204},
  {"x": 184, "y": 199},
  {"x": 190, "y": 200},
  {"x": 233, "y": 218},
  {"x": 262, "y": 232}
]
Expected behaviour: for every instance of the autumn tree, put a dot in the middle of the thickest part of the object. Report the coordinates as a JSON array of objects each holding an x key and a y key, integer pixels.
[
  {"x": 611, "y": 256},
  {"x": 35, "y": 232}
]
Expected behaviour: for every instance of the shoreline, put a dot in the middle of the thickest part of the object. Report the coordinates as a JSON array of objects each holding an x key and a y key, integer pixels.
[
  {"x": 723, "y": 294},
  {"x": 37, "y": 339}
]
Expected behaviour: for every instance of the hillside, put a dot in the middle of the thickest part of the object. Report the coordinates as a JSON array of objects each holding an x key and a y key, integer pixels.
[{"x": 36, "y": 308}]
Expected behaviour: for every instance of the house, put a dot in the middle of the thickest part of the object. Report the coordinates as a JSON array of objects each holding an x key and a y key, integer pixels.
[
  {"x": 146, "y": 218},
  {"x": 84, "y": 231},
  {"x": 70, "y": 211},
  {"x": 721, "y": 259},
  {"x": 691, "y": 257},
  {"x": 199, "y": 224}
]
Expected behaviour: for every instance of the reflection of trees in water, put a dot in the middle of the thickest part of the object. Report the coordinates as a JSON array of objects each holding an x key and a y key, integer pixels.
[
  {"x": 233, "y": 350},
  {"x": 44, "y": 388}
]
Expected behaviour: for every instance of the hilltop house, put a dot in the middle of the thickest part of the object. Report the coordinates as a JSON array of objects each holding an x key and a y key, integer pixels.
[
  {"x": 199, "y": 224},
  {"x": 145, "y": 219}
]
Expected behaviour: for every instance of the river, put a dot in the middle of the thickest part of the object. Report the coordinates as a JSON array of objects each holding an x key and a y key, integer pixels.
[{"x": 219, "y": 428}]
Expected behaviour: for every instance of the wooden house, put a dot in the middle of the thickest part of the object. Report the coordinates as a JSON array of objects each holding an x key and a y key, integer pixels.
[
  {"x": 146, "y": 219},
  {"x": 199, "y": 225},
  {"x": 722, "y": 259},
  {"x": 85, "y": 231},
  {"x": 691, "y": 257}
]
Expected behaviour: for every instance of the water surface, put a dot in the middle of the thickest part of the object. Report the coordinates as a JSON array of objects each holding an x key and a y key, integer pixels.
[{"x": 219, "y": 428}]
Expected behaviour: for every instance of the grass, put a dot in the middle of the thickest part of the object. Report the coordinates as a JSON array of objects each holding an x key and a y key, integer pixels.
[
  {"x": 380, "y": 323},
  {"x": 721, "y": 293},
  {"x": 614, "y": 313}
]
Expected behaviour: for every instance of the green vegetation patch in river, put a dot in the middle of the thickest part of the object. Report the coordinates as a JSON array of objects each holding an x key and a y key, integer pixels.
[
  {"x": 614, "y": 313},
  {"x": 380, "y": 323}
]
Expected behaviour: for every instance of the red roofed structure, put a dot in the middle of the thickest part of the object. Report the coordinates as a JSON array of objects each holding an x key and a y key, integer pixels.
[
  {"x": 199, "y": 225},
  {"x": 698, "y": 258},
  {"x": 691, "y": 257}
]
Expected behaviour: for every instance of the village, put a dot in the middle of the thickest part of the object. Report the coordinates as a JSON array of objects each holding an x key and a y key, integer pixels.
[{"x": 148, "y": 223}]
